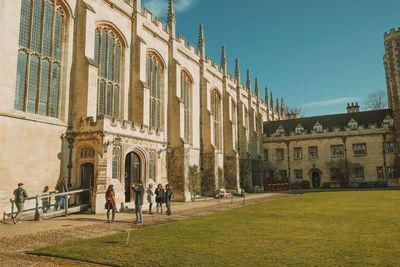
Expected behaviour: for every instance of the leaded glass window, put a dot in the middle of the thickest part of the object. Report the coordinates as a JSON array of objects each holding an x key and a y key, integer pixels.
[
  {"x": 234, "y": 123},
  {"x": 186, "y": 95},
  {"x": 216, "y": 117},
  {"x": 41, "y": 35},
  {"x": 154, "y": 81},
  {"x": 115, "y": 163},
  {"x": 107, "y": 55}
]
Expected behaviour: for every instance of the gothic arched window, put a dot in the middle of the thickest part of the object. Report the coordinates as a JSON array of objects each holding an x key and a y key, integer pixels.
[
  {"x": 41, "y": 36},
  {"x": 115, "y": 162},
  {"x": 234, "y": 122},
  {"x": 107, "y": 55},
  {"x": 155, "y": 82},
  {"x": 216, "y": 117},
  {"x": 186, "y": 94}
]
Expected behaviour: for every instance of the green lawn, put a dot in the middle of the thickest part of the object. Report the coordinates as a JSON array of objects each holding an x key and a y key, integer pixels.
[{"x": 314, "y": 229}]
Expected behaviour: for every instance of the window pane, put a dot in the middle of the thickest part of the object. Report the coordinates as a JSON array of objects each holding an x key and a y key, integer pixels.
[
  {"x": 148, "y": 70},
  {"x": 25, "y": 20},
  {"x": 153, "y": 113},
  {"x": 55, "y": 87},
  {"x": 48, "y": 23},
  {"x": 153, "y": 76},
  {"x": 44, "y": 88},
  {"x": 58, "y": 35},
  {"x": 21, "y": 81},
  {"x": 103, "y": 52},
  {"x": 96, "y": 47},
  {"x": 115, "y": 168},
  {"x": 33, "y": 84},
  {"x": 37, "y": 26},
  {"x": 102, "y": 97},
  {"x": 158, "y": 115},
  {"x": 116, "y": 101},
  {"x": 110, "y": 60},
  {"x": 150, "y": 169},
  {"x": 109, "y": 99},
  {"x": 158, "y": 81},
  {"x": 117, "y": 62}
]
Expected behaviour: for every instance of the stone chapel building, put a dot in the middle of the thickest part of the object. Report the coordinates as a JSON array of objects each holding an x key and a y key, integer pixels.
[{"x": 104, "y": 93}]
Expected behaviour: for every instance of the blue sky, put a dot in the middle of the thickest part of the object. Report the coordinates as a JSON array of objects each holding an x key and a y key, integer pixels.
[{"x": 318, "y": 54}]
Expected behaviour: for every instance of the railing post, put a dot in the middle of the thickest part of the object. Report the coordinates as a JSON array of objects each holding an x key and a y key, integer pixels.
[
  {"x": 12, "y": 208},
  {"x": 37, "y": 214},
  {"x": 231, "y": 198},
  {"x": 66, "y": 204}
]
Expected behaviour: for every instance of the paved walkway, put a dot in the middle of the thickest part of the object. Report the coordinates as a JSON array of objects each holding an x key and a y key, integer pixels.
[{"x": 15, "y": 240}]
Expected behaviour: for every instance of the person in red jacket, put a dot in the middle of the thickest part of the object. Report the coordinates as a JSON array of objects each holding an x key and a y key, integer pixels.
[{"x": 110, "y": 203}]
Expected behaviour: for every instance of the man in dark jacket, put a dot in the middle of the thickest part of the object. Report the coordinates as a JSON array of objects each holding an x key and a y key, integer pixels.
[
  {"x": 169, "y": 194},
  {"x": 139, "y": 190},
  {"x": 20, "y": 196}
]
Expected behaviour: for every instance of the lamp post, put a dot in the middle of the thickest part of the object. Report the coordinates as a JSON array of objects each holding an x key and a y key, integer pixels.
[{"x": 70, "y": 139}]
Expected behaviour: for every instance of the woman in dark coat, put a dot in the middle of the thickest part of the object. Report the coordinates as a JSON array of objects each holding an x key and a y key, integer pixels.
[
  {"x": 159, "y": 197},
  {"x": 110, "y": 203}
]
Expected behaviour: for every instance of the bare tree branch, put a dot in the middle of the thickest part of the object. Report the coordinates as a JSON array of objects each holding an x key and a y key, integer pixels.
[{"x": 376, "y": 100}]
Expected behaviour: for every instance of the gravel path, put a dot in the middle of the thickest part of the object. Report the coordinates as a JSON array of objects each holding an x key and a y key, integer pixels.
[{"x": 13, "y": 249}]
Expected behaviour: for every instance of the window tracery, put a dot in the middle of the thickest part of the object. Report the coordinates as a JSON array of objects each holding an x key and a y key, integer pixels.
[
  {"x": 41, "y": 37},
  {"x": 186, "y": 93},
  {"x": 154, "y": 76},
  {"x": 108, "y": 55}
]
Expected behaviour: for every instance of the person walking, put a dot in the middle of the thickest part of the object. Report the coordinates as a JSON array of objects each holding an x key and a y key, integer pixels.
[
  {"x": 20, "y": 196},
  {"x": 150, "y": 197},
  {"x": 139, "y": 190},
  {"x": 63, "y": 189},
  {"x": 169, "y": 194},
  {"x": 110, "y": 203},
  {"x": 45, "y": 201},
  {"x": 159, "y": 197}
]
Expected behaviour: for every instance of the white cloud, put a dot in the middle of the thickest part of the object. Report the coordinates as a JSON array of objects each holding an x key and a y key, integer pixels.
[
  {"x": 184, "y": 5},
  {"x": 159, "y": 8},
  {"x": 332, "y": 101}
]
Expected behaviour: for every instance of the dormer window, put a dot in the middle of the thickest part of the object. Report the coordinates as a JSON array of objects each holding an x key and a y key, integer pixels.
[
  {"x": 388, "y": 120},
  {"x": 279, "y": 131},
  {"x": 317, "y": 127},
  {"x": 353, "y": 124},
  {"x": 299, "y": 129}
]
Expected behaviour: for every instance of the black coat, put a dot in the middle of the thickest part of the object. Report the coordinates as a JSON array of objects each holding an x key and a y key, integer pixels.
[
  {"x": 169, "y": 194},
  {"x": 139, "y": 195},
  {"x": 159, "y": 195},
  {"x": 20, "y": 195}
]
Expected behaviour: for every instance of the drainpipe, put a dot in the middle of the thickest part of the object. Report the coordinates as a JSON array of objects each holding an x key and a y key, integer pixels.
[
  {"x": 384, "y": 158},
  {"x": 347, "y": 164}
]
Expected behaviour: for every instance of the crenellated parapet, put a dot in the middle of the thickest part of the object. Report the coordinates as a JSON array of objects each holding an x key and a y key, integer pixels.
[
  {"x": 121, "y": 127},
  {"x": 393, "y": 33},
  {"x": 157, "y": 22}
]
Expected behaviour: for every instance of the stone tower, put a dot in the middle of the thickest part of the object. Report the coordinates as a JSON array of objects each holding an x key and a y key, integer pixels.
[{"x": 391, "y": 60}]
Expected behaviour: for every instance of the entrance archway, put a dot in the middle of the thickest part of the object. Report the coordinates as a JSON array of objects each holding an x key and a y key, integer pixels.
[
  {"x": 316, "y": 179},
  {"x": 133, "y": 174},
  {"x": 87, "y": 181},
  {"x": 315, "y": 175}
]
